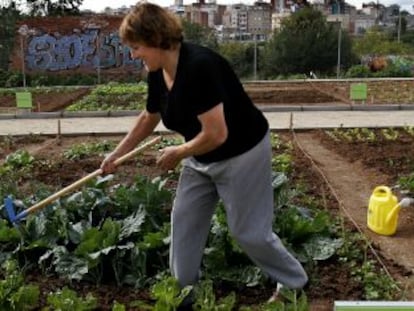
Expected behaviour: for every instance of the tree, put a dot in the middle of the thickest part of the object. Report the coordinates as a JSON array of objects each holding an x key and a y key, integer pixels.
[
  {"x": 9, "y": 15},
  {"x": 198, "y": 34},
  {"x": 54, "y": 8},
  {"x": 376, "y": 42},
  {"x": 240, "y": 57},
  {"x": 408, "y": 39},
  {"x": 306, "y": 42}
]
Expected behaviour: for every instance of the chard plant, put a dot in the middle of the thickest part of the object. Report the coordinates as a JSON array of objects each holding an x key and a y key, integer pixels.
[
  {"x": 168, "y": 294},
  {"x": 14, "y": 294},
  {"x": 16, "y": 165},
  {"x": 377, "y": 286},
  {"x": 375, "y": 283},
  {"x": 289, "y": 300},
  {"x": 281, "y": 162},
  {"x": 390, "y": 134},
  {"x": 352, "y": 135},
  {"x": 344, "y": 134},
  {"x": 113, "y": 97},
  {"x": 19, "y": 159},
  {"x": 368, "y": 135},
  {"x": 406, "y": 183},
  {"x": 68, "y": 300},
  {"x": 118, "y": 306},
  {"x": 409, "y": 130},
  {"x": 169, "y": 141},
  {"x": 332, "y": 135},
  {"x": 205, "y": 298},
  {"x": 83, "y": 150},
  {"x": 6, "y": 143}
]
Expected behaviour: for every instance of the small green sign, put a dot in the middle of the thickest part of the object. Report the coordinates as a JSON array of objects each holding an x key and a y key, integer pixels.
[
  {"x": 358, "y": 91},
  {"x": 24, "y": 100},
  {"x": 373, "y": 305}
]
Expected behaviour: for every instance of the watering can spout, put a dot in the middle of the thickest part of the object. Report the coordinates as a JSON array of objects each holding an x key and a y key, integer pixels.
[{"x": 393, "y": 214}]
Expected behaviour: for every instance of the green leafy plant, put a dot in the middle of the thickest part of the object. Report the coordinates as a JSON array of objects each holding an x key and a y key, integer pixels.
[
  {"x": 290, "y": 300},
  {"x": 308, "y": 232},
  {"x": 377, "y": 286},
  {"x": 409, "y": 130},
  {"x": 332, "y": 135},
  {"x": 118, "y": 306},
  {"x": 205, "y": 298},
  {"x": 19, "y": 159},
  {"x": 9, "y": 238},
  {"x": 352, "y": 135},
  {"x": 169, "y": 141},
  {"x": 282, "y": 163},
  {"x": 358, "y": 71},
  {"x": 80, "y": 151},
  {"x": 113, "y": 97},
  {"x": 368, "y": 135},
  {"x": 390, "y": 134},
  {"x": 14, "y": 294},
  {"x": 168, "y": 294},
  {"x": 68, "y": 300},
  {"x": 407, "y": 182}
]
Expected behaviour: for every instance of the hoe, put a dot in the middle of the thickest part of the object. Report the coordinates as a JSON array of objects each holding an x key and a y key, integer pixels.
[{"x": 8, "y": 202}]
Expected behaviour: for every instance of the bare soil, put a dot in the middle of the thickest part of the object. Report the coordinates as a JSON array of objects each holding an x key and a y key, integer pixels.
[
  {"x": 46, "y": 102},
  {"x": 344, "y": 174},
  {"x": 337, "y": 172},
  {"x": 307, "y": 92}
]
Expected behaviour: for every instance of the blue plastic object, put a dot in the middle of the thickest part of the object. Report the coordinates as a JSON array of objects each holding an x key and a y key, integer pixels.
[{"x": 8, "y": 203}]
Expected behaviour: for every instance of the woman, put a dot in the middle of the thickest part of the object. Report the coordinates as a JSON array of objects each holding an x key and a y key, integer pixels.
[{"x": 226, "y": 154}]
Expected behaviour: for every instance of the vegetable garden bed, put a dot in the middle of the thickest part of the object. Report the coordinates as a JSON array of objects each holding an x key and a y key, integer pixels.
[{"x": 110, "y": 239}]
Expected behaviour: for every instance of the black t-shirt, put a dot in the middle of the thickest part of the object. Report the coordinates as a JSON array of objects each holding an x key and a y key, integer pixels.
[{"x": 203, "y": 80}]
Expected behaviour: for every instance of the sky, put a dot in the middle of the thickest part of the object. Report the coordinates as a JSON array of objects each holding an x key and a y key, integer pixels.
[{"x": 100, "y": 5}]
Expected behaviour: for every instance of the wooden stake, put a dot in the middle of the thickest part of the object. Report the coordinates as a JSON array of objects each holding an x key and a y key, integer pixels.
[{"x": 59, "y": 134}]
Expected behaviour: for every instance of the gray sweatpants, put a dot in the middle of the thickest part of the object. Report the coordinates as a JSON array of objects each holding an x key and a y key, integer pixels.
[{"x": 244, "y": 183}]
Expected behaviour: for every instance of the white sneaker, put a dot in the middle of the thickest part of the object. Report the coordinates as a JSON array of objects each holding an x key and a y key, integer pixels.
[{"x": 275, "y": 296}]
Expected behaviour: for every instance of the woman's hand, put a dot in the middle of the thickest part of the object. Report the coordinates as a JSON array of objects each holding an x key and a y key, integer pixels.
[
  {"x": 169, "y": 157},
  {"x": 108, "y": 164}
]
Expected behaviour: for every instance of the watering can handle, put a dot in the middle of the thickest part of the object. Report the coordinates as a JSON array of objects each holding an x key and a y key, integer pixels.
[
  {"x": 88, "y": 177},
  {"x": 383, "y": 189}
]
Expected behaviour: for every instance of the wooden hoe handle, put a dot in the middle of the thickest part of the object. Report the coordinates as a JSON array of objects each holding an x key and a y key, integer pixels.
[{"x": 88, "y": 177}]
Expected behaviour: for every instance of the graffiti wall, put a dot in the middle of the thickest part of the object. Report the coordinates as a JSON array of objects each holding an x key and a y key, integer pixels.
[
  {"x": 89, "y": 49},
  {"x": 71, "y": 44}
]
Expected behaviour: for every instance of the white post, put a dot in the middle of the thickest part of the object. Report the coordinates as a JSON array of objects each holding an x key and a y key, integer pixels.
[
  {"x": 399, "y": 26},
  {"x": 23, "y": 61},
  {"x": 23, "y": 31},
  {"x": 255, "y": 58},
  {"x": 338, "y": 67},
  {"x": 98, "y": 49}
]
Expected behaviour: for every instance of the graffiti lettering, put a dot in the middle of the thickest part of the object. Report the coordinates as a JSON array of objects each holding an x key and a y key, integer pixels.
[{"x": 88, "y": 50}]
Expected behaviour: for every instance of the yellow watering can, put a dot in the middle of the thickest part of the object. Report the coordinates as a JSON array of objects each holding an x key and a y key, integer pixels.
[{"x": 383, "y": 210}]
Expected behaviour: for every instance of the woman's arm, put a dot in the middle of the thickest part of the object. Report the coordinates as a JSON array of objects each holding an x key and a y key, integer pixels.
[
  {"x": 213, "y": 134},
  {"x": 143, "y": 127}
]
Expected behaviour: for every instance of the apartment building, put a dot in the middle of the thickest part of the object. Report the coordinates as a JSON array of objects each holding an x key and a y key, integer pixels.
[{"x": 257, "y": 21}]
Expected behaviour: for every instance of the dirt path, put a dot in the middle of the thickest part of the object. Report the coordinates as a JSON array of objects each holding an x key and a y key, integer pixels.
[{"x": 353, "y": 184}]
